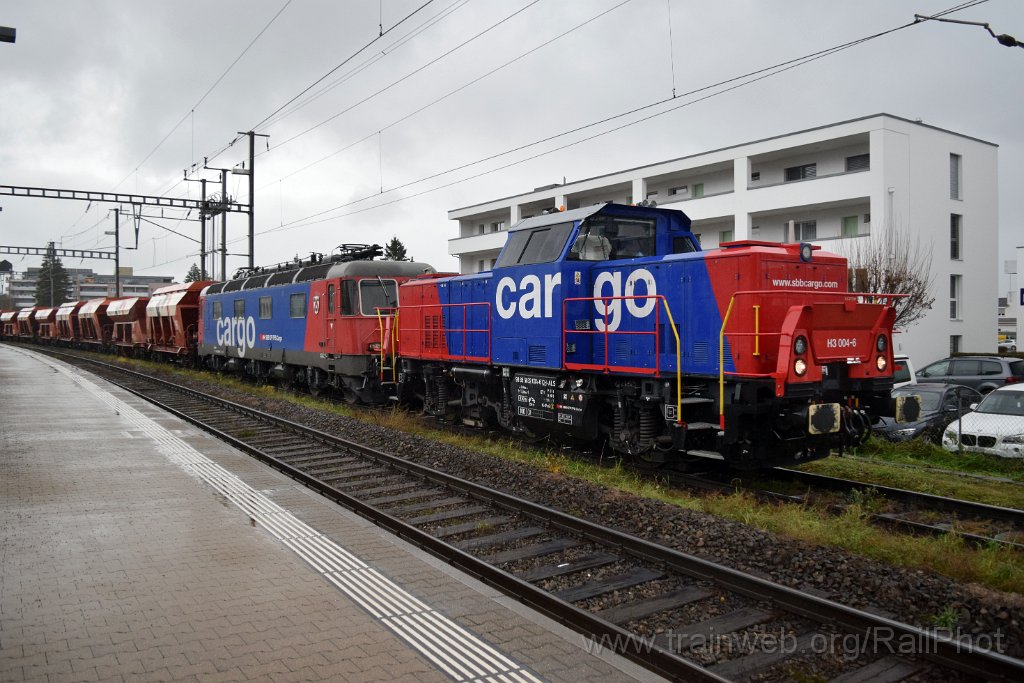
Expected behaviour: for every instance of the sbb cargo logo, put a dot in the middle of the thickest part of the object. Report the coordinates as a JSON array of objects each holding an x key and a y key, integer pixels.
[
  {"x": 237, "y": 332},
  {"x": 533, "y": 298}
]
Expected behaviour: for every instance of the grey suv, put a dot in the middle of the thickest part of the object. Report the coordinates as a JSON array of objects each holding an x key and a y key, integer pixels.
[{"x": 981, "y": 373}]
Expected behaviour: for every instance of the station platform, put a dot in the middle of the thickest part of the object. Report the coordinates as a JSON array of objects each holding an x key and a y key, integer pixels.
[{"x": 135, "y": 547}]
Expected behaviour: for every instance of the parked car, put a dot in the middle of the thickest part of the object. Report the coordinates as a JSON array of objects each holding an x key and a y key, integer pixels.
[
  {"x": 902, "y": 371},
  {"x": 982, "y": 373},
  {"x": 940, "y": 405},
  {"x": 996, "y": 426}
]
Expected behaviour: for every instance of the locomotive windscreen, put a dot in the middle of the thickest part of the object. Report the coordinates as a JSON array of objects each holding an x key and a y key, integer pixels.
[
  {"x": 541, "y": 245},
  {"x": 605, "y": 237},
  {"x": 377, "y": 294}
]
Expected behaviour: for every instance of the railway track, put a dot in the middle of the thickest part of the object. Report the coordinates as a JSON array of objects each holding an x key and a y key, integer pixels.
[
  {"x": 622, "y": 592},
  {"x": 907, "y": 511}
]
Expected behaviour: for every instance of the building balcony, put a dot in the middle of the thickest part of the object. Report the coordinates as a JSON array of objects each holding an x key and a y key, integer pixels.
[{"x": 487, "y": 242}]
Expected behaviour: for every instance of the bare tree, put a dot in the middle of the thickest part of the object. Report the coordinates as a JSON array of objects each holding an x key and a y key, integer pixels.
[{"x": 894, "y": 262}]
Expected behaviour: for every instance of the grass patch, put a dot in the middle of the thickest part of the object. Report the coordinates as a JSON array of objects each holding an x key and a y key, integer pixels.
[
  {"x": 994, "y": 566},
  {"x": 1002, "y": 493},
  {"x": 918, "y": 452}
]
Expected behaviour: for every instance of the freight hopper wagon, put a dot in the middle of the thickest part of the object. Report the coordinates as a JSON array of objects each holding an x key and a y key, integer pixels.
[
  {"x": 8, "y": 324},
  {"x": 68, "y": 329},
  {"x": 27, "y": 325},
  {"x": 609, "y": 322},
  {"x": 316, "y": 324},
  {"x": 172, "y": 321},
  {"x": 128, "y": 317},
  {"x": 94, "y": 324},
  {"x": 46, "y": 324}
]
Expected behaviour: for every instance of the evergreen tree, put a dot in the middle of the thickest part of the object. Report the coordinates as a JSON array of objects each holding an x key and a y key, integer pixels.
[
  {"x": 395, "y": 251},
  {"x": 52, "y": 285},
  {"x": 193, "y": 274}
]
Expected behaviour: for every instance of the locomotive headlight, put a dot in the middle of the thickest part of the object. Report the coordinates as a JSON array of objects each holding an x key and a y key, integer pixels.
[
  {"x": 374, "y": 347},
  {"x": 800, "y": 367},
  {"x": 880, "y": 363},
  {"x": 800, "y": 345},
  {"x": 882, "y": 343}
]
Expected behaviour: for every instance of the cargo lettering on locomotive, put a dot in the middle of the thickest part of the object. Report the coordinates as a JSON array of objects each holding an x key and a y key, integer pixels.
[
  {"x": 612, "y": 308},
  {"x": 237, "y": 332},
  {"x": 529, "y": 304}
]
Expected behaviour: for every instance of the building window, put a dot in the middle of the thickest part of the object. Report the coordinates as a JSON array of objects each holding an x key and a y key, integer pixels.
[
  {"x": 265, "y": 308},
  {"x": 498, "y": 227},
  {"x": 480, "y": 266},
  {"x": 755, "y": 232},
  {"x": 480, "y": 229},
  {"x": 217, "y": 310},
  {"x": 725, "y": 236},
  {"x": 652, "y": 195},
  {"x": 493, "y": 261},
  {"x": 696, "y": 236},
  {"x": 801, "y": 172},
  {"x": 698, "y": 190},
  {"x": 955, "y": 293},
  {"x": 681, "y": 190},
  {"x": 806, "y": 231},
  {"x": 297, "y": 306},
  {"x": 955, "y": 176},
  {"x": 955, "y": 236},
  {"x": 850, "y": 226},
  {"x": 858, "y": 162},
  {"x": 867, "y": 218},
  {"x": 239, "y": 308},
  {"x": 755, "y": 176},
  {"x": 955, "y": 342}
]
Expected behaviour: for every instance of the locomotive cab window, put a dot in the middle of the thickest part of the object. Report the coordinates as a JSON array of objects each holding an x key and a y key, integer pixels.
[
  {"x": 239, "y": 308},
  {"x": 349, "y": 297},
  {"x": 604, "y": 238},
  {"x": 297, "y": 305},
  {"x": 330, "y": 298},
  {"x": 217, "y": 312},
  {"x": 377, "y": 294},
  {"x": 266, "y": 308},
  {"x": 542, "y": 245}
]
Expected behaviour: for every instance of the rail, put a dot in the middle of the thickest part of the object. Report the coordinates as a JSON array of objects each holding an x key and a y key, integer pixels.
[
  {"x": 830, "y": 296},
  {"x": 606, "y": 366}
]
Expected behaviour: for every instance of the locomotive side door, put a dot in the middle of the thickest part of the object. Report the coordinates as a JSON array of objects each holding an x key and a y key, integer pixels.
[{"x": 330, "y": 313}]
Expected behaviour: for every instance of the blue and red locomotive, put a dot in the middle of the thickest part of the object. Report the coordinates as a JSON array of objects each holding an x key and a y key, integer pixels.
[{"x": 610, "y": 322}]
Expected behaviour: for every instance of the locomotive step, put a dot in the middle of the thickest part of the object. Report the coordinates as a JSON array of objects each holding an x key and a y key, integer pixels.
[
  {"x": 694, "y": 426},
  {"x": 713, "y": 455}
]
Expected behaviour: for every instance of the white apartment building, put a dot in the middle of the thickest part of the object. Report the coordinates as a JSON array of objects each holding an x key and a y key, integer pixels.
[{"x": 846, "y": 181}]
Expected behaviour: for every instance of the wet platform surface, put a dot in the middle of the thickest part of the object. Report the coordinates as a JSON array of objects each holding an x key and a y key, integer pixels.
[{"x": 135, "y": 547}]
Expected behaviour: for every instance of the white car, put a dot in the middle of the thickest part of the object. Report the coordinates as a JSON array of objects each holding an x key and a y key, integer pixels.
[{"x": 996, "y": 426}]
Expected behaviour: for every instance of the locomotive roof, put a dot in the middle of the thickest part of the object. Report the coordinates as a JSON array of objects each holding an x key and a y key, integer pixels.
[
  {"x": 323, "y": 271},
  {"x": 558, "y": 217}
]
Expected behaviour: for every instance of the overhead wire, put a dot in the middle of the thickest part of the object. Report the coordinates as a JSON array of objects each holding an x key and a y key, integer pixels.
[
  {"x": 406, "y": 76},
  {"x": 753, "y": 76},
  {"x": 737, "y": 81},
  {"x": 452, "y": 92},
  {"x": 209, "y": 90}
]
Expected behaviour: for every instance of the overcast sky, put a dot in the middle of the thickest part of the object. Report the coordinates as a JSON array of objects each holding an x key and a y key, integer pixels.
[{"x": 92, "y": 89}]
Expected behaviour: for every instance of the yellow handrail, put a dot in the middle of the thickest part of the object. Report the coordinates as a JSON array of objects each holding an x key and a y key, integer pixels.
[
  {"x": 757, "y": 330},
  {"x": 721, "y": 365},
  {"x": 679, "y": 365}
]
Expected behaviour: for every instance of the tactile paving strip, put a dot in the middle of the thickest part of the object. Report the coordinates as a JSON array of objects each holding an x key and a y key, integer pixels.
[{"x": 460, "y": 654}]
